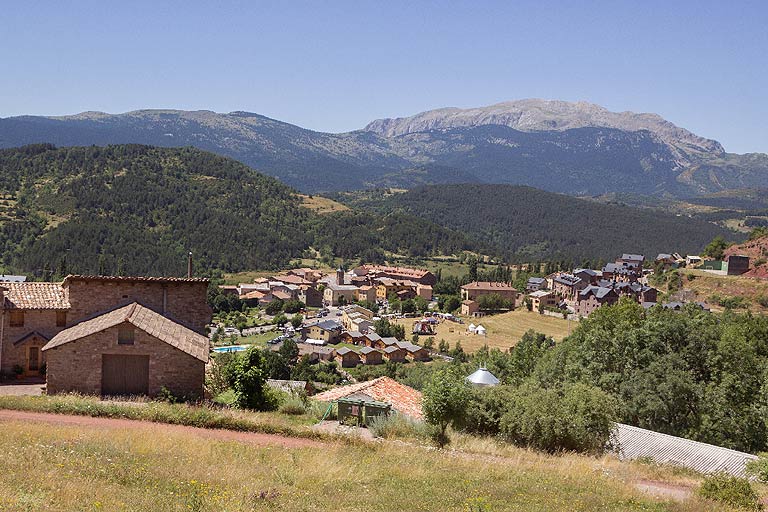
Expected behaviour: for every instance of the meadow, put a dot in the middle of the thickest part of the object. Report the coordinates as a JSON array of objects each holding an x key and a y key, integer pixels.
[
  {"x": 153, "y": 467},
  {"x": 504, "y": 330}
]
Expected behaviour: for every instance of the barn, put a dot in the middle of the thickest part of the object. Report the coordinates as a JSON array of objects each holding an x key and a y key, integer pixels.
[{"x": 129, "y": 350}]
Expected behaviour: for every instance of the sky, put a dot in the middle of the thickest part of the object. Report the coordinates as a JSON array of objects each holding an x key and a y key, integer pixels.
[{"x": 335, "y": 66}]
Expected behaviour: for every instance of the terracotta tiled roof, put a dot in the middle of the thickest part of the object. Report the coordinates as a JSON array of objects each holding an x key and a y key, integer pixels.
[
  {"x": 32, "y": 295},
  {"x": 77, "y": 277},
  {"x": 149, "y": 321},
  {"x": 403, "y": 399}
]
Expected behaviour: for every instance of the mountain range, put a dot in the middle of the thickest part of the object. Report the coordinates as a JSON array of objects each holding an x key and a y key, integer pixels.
[{"x": 575, "y": 148}]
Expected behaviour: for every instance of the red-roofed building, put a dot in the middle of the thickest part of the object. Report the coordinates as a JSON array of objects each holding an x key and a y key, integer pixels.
[{"x": 403, "y": 399}]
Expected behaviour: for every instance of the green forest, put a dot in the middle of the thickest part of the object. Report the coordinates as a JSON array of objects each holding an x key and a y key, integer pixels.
[
  {"x": 525, "y": 224},
  {"x": 133, "y": 209}
]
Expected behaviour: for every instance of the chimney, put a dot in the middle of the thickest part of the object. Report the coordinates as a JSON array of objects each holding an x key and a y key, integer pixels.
[{"x": 189, "y": 264}]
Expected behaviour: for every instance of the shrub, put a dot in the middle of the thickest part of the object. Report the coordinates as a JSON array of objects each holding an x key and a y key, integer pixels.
[
  {"x": 249, "y": 382},
  {"x": 293, "y": 406},
  {"x": 445, "y": 401},
  {"x": 574, "y": 417},
  {"x": 763, "y": 300},
  {"x": 730, "y": 490},
  {"x": 396, "y": 426},
  {"x": 485, "y": 410}
]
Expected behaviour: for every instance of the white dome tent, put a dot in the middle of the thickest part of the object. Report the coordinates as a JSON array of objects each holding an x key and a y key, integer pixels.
[
  {"x": 480, "y": 330},
  {"x": 483, "y": 378},
  {"x": 471, "y": 328}
]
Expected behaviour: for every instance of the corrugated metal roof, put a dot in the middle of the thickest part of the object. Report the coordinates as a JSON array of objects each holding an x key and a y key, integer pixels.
[{"x": 635, "y": 443}]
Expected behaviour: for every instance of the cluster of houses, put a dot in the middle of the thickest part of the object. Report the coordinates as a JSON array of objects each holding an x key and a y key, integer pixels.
[
  {"x": 315, "y": 289},
  {"x": 584, "y": 290},
  {"x": 360, "y": 343}
]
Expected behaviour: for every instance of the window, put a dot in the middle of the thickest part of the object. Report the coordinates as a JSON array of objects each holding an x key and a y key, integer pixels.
[
  {"x": 125, "y": 335},
  {"x": 17, "y": 318},
  {"x": 61, "y": 319}
]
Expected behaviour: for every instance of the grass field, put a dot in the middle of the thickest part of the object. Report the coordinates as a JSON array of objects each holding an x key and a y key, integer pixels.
[
  {"x": 91, "y": 468},
  {"x": 504, "y": 330},
  {"x": 321, "y": 205}
]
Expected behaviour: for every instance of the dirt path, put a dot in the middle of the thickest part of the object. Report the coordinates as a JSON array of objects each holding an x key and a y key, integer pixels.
[{"x": 116, "y": 423}]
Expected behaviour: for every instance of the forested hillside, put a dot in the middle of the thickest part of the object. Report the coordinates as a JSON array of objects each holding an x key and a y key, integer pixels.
[
  {"x": 134, "y": 209},
  {"x": 529, "y": 224}
]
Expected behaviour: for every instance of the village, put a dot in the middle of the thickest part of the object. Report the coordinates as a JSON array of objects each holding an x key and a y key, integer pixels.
[
  {"x": 156, "y": 336},
  {"x": 338, "y": 317}
]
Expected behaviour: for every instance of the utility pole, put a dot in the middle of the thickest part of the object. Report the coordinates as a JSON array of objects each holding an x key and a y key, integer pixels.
[{"x": 189, "y": 264}]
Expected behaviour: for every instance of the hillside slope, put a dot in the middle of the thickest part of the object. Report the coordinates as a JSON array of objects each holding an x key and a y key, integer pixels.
[
  {"x": 138, "y": 210},
  {"x": 532, "y": 224},
  {"x": 575, "y": 148}
]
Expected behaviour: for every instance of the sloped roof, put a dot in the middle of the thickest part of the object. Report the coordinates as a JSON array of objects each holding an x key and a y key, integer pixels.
[
  {"x": 483, "y": 377},
  {"x": 633, "y": 443},
  {"x": 403, "y": 399},
  {"x": 368, "y": 350},
  {"x": 32, "y": 295},
  {"x": 149, "y": 321}
]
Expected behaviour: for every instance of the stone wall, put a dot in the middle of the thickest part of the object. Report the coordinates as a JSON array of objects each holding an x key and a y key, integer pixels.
[
  {"x": 76, "y": 366},
  {"x": 42, "y": 321},
  {"x": 183, "y": 302}
]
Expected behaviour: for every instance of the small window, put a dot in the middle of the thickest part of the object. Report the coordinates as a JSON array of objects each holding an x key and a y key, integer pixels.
[
  {"x": 17, "y": 318},
  {"x": 125, "y": 335},
  {"x": 61, "y": 319}
]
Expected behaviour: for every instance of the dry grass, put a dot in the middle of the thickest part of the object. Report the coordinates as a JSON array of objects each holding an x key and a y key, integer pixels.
[
  {"x": 706, "y": 284},
  {"x": 504, "y": 330},
  {"x": 321, "y": 205},
  {"x": 64, "y": 468}
]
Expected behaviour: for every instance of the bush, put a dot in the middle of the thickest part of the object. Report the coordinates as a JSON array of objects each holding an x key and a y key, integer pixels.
[
  {"x": 485, "y": 410},
  {"x": 445, "y": 401},
  {"x": 249, "y": 382},
  {"x": 396, "y": 426},
  {"x": 574, "y": 417},
  {"x": 730, "y": 490},
  {"x": 293, "y": 406}
]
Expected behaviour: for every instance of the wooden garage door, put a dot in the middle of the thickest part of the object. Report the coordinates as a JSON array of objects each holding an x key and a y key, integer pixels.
[{"x": 124, "y": 375}]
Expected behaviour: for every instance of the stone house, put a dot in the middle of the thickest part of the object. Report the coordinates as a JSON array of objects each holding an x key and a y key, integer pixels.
[
  {"x": 477, "y": 289},
  {"x": 541, "y": 299},
  {"x": 567, "y": 286},
  {"x": 387, "y": 287},
  {"x": 333, "y": 293},
  {"x": 33, "y": 313},
  {"x": 594, "y": 297},
  {"x": 130, "y": 350},
  {"x": 327, "y": 330},
  {"x": 470, "y": 308}
]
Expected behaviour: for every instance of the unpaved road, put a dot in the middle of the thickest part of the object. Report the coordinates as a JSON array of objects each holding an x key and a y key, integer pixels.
[{"x": 116, "y": 423}]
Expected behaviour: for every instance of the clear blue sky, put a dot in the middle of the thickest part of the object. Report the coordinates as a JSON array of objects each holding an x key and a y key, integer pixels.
[{"x": 334, "y": 66}]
